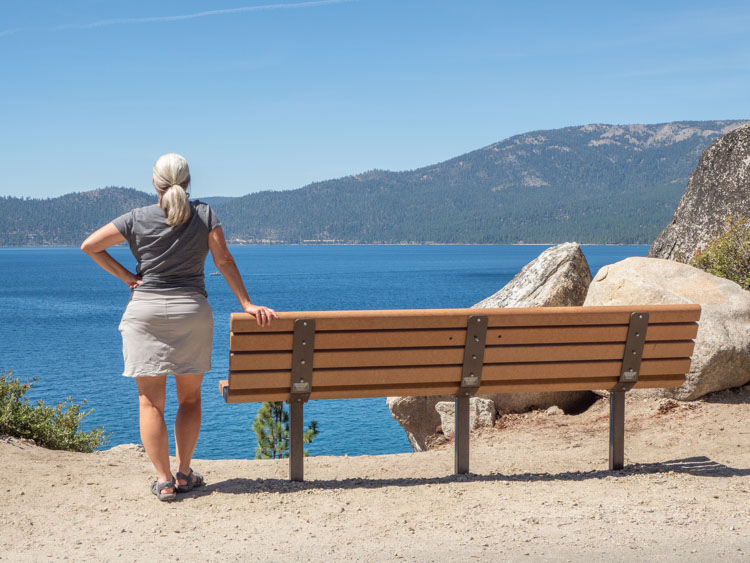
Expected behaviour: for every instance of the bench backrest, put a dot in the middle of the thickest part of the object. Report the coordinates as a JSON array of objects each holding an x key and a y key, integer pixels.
[{"x": 421, "y": 352}]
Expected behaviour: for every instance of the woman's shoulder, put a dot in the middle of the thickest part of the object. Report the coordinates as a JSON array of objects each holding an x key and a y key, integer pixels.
[
  {"x": 199, "y": 204},
  {"x": 141, "y": 212},
  {"x": 205, "y": 213},
  {"x": 202, "y": 208},
  {"x": 146, "y": 208},
  {"x": 147, "y": 211}
]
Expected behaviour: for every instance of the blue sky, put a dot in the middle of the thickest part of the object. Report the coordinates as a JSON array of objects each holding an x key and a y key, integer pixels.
[{"x": 277, "y": 94}]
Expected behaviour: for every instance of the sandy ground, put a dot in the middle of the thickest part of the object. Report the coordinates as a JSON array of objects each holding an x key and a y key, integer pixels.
[{"x": 539, "y": 491}]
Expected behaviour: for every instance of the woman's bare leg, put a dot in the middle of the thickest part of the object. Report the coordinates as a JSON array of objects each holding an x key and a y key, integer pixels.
[
  {"x": 187, "y": 424},
  {"x": 151, "y": 397}
]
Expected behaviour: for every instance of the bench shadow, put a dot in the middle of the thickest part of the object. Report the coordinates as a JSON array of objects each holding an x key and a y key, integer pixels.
[{"x": 699, "y": 466}]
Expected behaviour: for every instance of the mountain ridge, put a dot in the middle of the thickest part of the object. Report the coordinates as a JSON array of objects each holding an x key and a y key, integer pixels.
[{"x": 595, "y": 183}]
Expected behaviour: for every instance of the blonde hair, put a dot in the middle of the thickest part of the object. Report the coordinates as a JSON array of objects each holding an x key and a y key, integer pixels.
[{"x": 171, "y": 179}]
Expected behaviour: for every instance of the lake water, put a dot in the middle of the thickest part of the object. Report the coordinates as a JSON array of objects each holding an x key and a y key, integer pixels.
[{"x": 59, "y": 314}]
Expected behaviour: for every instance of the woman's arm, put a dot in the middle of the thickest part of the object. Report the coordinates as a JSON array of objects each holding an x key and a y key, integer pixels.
[
  {"x": 96, "y": 246},
  {"x": 228, "y": 268}
]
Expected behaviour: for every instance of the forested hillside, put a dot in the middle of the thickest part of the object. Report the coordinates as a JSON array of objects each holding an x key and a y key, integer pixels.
[
  {"x": 594, "y": 183},
  {"x": 65, "y": 220}
]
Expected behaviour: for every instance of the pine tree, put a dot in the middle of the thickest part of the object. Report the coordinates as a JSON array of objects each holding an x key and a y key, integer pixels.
[{"x": 271, "y": 428}]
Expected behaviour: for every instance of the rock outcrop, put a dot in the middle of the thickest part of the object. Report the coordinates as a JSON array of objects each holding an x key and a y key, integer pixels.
[
  {"x": 719, "y": 187},
  {"x": 559, "y": 277},
  {"x": 721, "y": 359},
  {"x": 482, "y": 413},
  {"x": 418, "y": 417}
]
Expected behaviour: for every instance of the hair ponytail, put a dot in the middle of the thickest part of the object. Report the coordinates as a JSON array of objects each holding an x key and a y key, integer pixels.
[
  {"x": 175, "y": 204},
  {"x": 171, "y": 179}
]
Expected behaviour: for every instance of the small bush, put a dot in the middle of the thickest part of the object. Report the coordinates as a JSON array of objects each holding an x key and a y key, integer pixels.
[
  {"x": 728, "y": 255},
  {"x": 56, "y": 427}
]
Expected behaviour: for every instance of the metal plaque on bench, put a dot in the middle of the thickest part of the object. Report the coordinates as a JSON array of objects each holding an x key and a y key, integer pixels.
[
  {"x": 471, "y": 373},
  {"x": 634, "y": 344},
  {"x": 303, "y": 348}
]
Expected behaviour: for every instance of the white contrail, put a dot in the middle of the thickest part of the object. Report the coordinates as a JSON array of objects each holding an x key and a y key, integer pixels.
[{"x": 155, "y": 19}]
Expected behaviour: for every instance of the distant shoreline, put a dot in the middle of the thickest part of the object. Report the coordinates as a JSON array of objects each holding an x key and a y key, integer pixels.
[{"x": 230, "y": 243}]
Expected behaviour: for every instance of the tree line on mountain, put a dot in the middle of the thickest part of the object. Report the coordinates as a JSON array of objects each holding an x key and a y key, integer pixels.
[
  {"x": 65, "y": 220},
  {"x": 589, "y": 184}
]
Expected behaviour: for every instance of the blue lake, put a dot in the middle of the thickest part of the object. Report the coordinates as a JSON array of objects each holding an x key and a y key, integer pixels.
[{"x": 59, "y": 314}]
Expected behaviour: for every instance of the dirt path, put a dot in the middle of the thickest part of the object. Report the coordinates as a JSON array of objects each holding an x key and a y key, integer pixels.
[{"x": 539, "y": 491}]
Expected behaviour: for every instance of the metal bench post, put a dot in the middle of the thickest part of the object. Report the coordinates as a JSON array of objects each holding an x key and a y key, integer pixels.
[
  {"x": 631, "y": 366},
  {"x": 616, "y": 430},
  {"x": 296, "y": 445},
  {"x": 461, "y": 435},
  {"x": 303, "y": 347},
  {"x": 471, "y": 379}
]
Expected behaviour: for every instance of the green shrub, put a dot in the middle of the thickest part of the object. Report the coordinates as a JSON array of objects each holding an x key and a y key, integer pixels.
[
  {"x": 728, "y": 255},
  {"x": 56, "y": 427},
  {"x": 271, "y": 428}
]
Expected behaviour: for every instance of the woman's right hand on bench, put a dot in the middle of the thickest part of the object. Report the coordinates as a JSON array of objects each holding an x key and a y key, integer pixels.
[{"x": 262, "y": 314}]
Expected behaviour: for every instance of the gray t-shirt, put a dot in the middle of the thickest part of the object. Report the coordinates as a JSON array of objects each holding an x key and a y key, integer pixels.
[{"x": 168, "y": 257}]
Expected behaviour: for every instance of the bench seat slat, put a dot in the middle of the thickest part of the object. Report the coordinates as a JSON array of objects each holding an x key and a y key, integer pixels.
[
  {"x": 267, "y": 342},
  {"x": 456, "y": 318},
  {"x": 261, "y": 361},
  {"x": 517, "y": 386}
]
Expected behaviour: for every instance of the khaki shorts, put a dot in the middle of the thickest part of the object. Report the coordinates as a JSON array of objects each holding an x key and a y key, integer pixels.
[{"x": 167, "y": 332}]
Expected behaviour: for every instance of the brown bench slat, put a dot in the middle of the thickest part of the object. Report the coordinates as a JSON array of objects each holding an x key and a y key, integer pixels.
[
  {"x": 247, "y": 342},
  {"x": 245, "y": 395},
  {"x": 403, "y": 375},
  {"x": 342, "y": 359},
  {"x": 419, "y": 376},
  {"x": 585, "y": 334},
  {"x": 267, "y": 342},
  {"x": 456, "y": 318},
  {"x": 261, "y": 361},
  {"x": 494, "y": 372},
  {"x": 582, "y": 352},
  {"x": 518, "y": 386},
  {"x": 521, "y": 386}
]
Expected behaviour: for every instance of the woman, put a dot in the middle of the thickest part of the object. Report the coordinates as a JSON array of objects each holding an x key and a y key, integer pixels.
[{"x": 167, "y": 327}]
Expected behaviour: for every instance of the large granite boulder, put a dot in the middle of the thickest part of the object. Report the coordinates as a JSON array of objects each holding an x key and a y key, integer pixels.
[
  {"x": 721, "y": 359},
  {"x": 719, "y": 187},
  {"x": 482, "y": 413},
  {"x": 559, "y": 277}
]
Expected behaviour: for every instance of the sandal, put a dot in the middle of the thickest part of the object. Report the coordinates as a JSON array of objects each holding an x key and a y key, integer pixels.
[
  {"x": 191, "y": 484},
  {"x": 157, "y": 488}
]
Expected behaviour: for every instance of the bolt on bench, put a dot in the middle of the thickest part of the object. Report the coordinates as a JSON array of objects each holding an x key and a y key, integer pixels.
[{"x": 460, "y": 352}]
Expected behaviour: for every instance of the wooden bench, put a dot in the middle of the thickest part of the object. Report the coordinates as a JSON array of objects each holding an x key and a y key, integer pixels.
[{"x": 459, "y": 352}]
